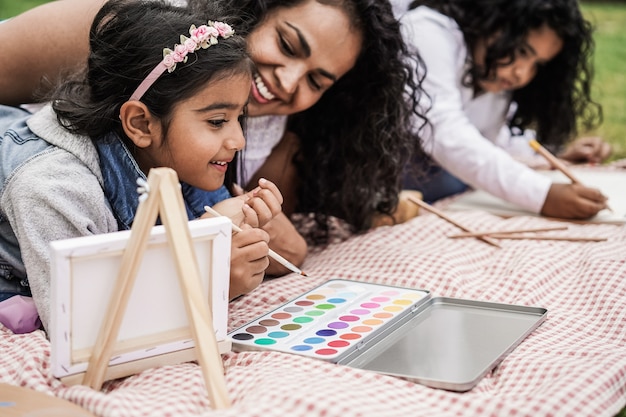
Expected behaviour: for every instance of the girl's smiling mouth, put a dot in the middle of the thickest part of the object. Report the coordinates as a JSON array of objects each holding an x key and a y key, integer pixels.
[{"x": 220, "y": 165}]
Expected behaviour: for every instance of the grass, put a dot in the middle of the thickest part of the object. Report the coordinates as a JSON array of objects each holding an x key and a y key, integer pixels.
[
  {"x": 609, "y": 87},
  {"x": 9, "y": 8}
]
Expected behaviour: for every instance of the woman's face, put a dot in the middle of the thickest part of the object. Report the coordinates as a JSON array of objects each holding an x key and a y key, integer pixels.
[
  {"x": 299, "y": 52},
  {"x": 541, "y": 45}
]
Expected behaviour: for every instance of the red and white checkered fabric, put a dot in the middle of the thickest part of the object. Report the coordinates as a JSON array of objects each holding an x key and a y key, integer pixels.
[{"x": 572, "y": 365}]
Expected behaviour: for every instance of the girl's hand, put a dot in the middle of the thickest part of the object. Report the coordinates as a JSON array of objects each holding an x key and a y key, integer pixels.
[
  {"x": 249, "y": 260},
  {"x": 586, "y": 149},
  {"x": 573, "y": 201},
  {"x": 255, "y": 208},
  {"x": 262, "y": 204}
]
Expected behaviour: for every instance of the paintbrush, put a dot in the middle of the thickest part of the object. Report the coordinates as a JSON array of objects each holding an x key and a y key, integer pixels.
[
  {"x": 439, "y": 213},
  {"x": 275, "y": 256}
]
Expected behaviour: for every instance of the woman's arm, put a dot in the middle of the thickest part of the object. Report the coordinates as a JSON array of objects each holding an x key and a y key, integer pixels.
[
  {"x": 279, "y": 169},
  {"x": 42, "y": 44}
]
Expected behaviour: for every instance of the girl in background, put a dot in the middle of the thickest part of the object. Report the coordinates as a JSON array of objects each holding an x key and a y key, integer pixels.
[
  {"x": 493, "y": 66},
  {"x": 186, "y": 115}
]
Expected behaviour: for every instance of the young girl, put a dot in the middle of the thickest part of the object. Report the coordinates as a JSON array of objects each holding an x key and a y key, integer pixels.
[
  {"x": 163, "y": 88},
  {"x": 482, "y": 56},
  {"x": 340, "y": 65}
]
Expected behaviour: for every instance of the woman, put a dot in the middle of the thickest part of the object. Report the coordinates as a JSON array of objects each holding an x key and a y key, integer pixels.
[{"x": 343, "y": 86}]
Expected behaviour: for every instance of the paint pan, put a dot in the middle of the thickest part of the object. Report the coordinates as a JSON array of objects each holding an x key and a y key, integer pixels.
[{"x": 439, "y": 342}]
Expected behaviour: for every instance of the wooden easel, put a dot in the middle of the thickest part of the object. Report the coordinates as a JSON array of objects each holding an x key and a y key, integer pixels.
[{"x": 164, "y": 199}]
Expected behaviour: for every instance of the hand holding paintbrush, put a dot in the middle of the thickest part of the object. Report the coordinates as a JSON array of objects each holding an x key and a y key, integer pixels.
[{"x": 278, "y": 258}]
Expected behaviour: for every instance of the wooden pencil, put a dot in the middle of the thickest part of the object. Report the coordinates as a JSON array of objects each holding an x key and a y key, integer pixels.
[
  {"x": 556, "y": 163},
  {"x": 553, "y": 160},
  {"x": 508, "y": 232},
  {"x": 546, "y": 237},
  {"x": 278, "y": 258},
  {"x": 442, "y": 215}
]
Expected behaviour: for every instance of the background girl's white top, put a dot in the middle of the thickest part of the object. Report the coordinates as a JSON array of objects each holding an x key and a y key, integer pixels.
[{"x": 466, "y": 129}]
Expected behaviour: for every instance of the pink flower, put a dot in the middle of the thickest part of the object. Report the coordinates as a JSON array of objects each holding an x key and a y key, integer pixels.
[
  {"x": 168, "y": 61},
  {"x": 223, "y": 29},
  {"x": 190, "y": 45},
  {"x": 199, "y": 34},
  {"x": 180, "y": 53},
  {"x": 212, "y": 32}
]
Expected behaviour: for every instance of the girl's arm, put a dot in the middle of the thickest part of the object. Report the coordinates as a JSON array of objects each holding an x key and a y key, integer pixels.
[
  {"x": 280, "y": 170},
  {"x": 43, "y": 44}
]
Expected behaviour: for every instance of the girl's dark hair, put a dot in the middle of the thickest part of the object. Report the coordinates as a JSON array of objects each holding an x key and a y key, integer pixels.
[
  {"x": 559, "y": 96},
  {"x": 126, "y": 42},
  {"x": 357, "y": 138}
]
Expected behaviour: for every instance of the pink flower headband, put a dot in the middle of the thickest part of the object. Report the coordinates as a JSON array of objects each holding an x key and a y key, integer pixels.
[{"x": 201, "y": 37}]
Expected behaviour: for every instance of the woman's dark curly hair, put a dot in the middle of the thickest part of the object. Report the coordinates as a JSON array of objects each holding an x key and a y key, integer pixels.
[
  {"x": 355, "y": 141},
  {"x": 126, "y": 42},
  {"x": 559, "y": 96}
]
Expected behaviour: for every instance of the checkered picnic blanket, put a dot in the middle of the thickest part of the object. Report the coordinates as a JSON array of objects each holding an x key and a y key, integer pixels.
[{"x": 574, "y": 364}]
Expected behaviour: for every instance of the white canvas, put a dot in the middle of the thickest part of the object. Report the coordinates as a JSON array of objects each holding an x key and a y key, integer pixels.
[{"x": 84, "y": 271}]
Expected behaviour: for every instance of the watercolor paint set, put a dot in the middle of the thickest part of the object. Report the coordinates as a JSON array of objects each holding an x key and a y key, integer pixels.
[{"x": 440, "y": 342}]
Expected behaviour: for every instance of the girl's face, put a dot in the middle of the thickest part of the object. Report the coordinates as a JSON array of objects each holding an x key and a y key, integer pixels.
[
  {"x": 204, "y": 134},
  {"x": 299, "y": 52},
  {"x": 541, "y": 45}
]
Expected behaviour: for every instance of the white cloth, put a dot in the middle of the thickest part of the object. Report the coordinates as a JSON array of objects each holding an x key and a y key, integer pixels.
[
  {"x": 262, "y": 134},
  {"x": 466, "y": 129},
  {"x": 399, "y": 7}
]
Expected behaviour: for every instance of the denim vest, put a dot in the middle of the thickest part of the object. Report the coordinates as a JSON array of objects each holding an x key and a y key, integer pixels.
[{"x": 120, "y": 172}]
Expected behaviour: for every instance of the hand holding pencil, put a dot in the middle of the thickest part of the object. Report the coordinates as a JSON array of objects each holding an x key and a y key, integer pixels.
[{"x": 569, "y": 201}]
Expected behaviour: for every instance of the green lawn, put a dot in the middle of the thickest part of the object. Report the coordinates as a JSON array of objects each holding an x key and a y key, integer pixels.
[
  {"x": 610, "y": 64},
  {"x": 10, "y": 8}
]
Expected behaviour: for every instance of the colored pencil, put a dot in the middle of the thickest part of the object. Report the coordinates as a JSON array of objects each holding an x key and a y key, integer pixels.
[
  {"x": 442, "y": 215},
  {"x": 553, "y": 160},
  {"x": 545, "y": 237},
  {"x": 508, "y": 232},
  {"x": 278, "y": 258},
  {"x": 556, "y": 163}
]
